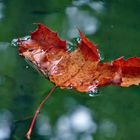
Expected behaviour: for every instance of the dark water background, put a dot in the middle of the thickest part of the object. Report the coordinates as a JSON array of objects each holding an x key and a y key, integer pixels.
[{"x": 68, "y": 115}]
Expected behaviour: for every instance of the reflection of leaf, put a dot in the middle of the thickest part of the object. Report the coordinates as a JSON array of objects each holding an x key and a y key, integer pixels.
[{"x": 80, "y": 69}]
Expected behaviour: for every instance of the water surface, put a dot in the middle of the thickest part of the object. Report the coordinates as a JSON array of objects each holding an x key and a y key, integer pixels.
[{"x": 114, "y": 26}]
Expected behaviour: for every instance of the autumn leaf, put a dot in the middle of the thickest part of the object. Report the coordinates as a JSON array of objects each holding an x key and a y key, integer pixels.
[{"x": 80, "y": 69}]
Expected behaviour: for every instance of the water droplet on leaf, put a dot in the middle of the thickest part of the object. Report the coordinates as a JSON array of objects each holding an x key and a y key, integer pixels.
[
  {"x": 93, "y": 92},
  {"x": 101, "y": 55},
  {"x": 14, "y": 41},
  {"x": 72, "y": 45},
  {"x": 25, "y": 37}
]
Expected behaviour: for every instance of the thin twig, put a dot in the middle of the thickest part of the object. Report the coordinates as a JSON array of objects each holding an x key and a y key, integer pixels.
[{"x": 28, "y": 134}]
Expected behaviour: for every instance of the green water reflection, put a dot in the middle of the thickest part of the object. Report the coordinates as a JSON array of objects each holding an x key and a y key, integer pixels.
[{"x": 114, "y": 115}]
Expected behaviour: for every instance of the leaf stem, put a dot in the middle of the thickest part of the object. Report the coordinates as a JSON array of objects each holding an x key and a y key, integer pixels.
[{"x": 28, "y": 134}]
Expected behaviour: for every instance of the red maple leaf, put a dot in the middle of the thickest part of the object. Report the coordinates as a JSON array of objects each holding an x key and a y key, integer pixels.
[{"x": 80, "y": 69}]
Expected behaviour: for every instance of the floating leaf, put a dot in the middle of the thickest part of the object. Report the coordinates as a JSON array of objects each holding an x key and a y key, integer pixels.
[{"x": 80, "y": 69}]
